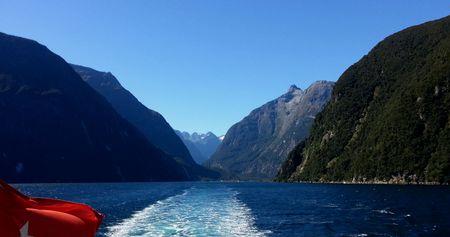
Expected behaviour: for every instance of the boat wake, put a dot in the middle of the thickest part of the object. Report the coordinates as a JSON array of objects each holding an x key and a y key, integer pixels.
[{"x": 195, "y": 212}]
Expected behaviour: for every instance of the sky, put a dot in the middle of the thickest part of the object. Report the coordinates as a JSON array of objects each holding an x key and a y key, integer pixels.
[{"x": 205, "y": 64}]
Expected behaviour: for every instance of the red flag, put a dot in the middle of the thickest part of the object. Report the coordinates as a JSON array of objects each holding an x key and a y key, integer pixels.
[{"x": 22, "y": 216}]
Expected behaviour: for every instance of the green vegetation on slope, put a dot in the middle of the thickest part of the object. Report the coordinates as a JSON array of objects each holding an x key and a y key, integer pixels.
[{"x": 388, "y": 119}]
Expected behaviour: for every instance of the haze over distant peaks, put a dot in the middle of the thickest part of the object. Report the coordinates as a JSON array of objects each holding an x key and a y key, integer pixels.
[{"x": 200, "y": 145}]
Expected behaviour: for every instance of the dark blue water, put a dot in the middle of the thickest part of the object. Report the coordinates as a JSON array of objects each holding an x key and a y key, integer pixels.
[{"x": 260, "y": 209}]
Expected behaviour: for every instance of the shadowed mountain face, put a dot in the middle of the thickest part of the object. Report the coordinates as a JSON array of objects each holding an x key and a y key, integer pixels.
[
  {"x": 201, "y": 146},
  {"x": 149, "y": 122},
  {"x": 195, "y": 152},
  {"x": 255, "y": 147},
  {"x": 389, "y": 116},
  {"x": 55, "y": 127}
]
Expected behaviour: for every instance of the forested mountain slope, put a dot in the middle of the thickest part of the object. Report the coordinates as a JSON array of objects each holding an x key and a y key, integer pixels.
[{"x": 388, "y": 119}]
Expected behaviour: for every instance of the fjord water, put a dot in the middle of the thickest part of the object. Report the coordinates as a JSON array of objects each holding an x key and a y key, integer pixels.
[{"x": 260, "y": 209}]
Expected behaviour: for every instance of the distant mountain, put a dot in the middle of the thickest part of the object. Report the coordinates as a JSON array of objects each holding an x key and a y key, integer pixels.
[
  {"x": 149, "y": 122},
  {"x": 389, "y": 116},
  {"x": 255, "y": 147},
  {"x": 201, "y": 146},
  {"x": 196, "y": 154},
  {"x": 56, "y": 128}
]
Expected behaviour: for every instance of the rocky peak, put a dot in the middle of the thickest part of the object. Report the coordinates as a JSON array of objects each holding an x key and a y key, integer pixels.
[
  {"x": 292, "y": 92},
  {"x": 255, "y": 147},
  {"x": 201, "y": 145},
  {"x": 293, "y": 88}
]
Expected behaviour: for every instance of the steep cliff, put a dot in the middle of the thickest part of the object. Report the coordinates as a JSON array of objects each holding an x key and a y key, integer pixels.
[
  {"x": 54, "y": 127},
  {"x": 388, "y": 119},
  {"x": 255, "y": 147}
]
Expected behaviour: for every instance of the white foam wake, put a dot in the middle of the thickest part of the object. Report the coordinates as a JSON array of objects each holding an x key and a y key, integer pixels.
[{"x": 196, "y": 212}]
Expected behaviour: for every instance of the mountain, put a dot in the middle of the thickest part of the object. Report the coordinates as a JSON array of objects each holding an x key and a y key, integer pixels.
[
  {"x": 389, "y": 116},
  {"x": 201, "y": 146},
  {"x": 255, "y": 147},
  {"x": 150, "y": 123},
  {"x": 196, "y": 154},
  {"x": 56, "y": 128}
]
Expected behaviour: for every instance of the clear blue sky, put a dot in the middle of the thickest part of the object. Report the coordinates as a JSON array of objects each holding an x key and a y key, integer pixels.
[{"x": 206, "y": 64}]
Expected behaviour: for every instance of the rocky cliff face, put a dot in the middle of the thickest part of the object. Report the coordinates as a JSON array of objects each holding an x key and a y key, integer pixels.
[
  {"x": 201, "y": 146},
  {"x": 389, "y": 116},
  {"x": 55, "y": 127},
  {"x": 255, "y": 147},
  {"x": 148, "y": 122}
]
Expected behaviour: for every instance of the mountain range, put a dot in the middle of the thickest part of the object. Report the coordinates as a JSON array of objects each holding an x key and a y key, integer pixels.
[
  {"x": 150, "y": 123},
  {"x": 201, "y": 146},
  {"x": 386, "y": 119},
  {"x": 55, "y": 128},
  {"x": 389, "y": 116},
  {"x": 255, "y": 147}
]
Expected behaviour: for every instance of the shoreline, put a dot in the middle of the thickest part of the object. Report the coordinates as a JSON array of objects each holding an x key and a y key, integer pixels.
[
  {"x": 369, "y": 183},
  {"x": 256, "y": 181}
]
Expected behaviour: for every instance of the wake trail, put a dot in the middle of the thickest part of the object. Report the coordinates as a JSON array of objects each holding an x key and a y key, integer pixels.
[{"x": 195, "y": 212}]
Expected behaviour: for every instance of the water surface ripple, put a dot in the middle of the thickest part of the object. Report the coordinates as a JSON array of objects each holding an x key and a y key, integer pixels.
[
  {"x": 196, "y": 212},
  {"x": 259, "y": 209}
]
